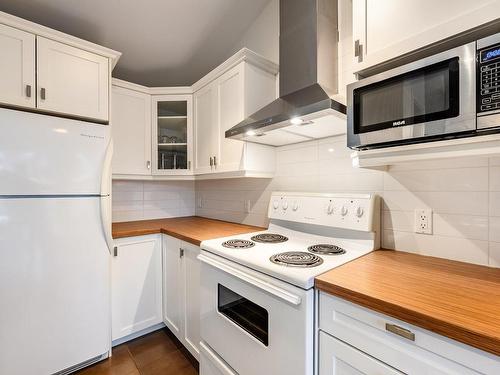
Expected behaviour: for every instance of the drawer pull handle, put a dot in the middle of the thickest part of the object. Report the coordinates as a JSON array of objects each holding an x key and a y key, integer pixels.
[{"x": 400, "y": 331}]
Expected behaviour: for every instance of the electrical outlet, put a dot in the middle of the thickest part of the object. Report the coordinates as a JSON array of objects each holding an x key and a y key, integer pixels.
[{"x": 423, "y": 221}]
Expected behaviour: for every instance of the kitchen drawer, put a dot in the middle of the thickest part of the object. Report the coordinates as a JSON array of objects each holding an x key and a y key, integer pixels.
[
  {"x": 338, "y": 358},
  {"x": 408, "y": 348}
]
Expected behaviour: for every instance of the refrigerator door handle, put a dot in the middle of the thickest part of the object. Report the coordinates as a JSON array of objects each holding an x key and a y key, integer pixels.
[{"x": 106, "y": 198}]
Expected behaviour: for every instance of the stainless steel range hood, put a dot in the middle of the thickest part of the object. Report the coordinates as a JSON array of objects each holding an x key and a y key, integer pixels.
[{"x": 308, "y": 79}]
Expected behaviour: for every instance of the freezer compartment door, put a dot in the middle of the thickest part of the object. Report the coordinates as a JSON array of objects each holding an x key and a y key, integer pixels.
[
  {"x": 46, "y": 155},
  {"x": 54, "y": 284}
]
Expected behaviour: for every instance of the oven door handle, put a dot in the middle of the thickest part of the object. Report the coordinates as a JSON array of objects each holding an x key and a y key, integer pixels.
[{"x": 252, "y": 280}]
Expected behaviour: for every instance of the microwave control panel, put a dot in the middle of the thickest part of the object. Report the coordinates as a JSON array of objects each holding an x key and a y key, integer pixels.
[{"x": 488, "y": 79}]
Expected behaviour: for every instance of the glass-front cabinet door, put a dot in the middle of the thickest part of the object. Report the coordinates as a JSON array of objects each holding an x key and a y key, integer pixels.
[{"x": 172, "y": 134}]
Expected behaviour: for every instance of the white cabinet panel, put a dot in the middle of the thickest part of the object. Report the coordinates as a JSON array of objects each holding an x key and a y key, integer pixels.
[
  {"x": 17, "y": 67},
  {"x": 206, "y": 128},
  {"x": 181, "y": 292},
  {"x": 338, "y": 358},
  {"x": 231, "y": 112},
  {"x": 388, "y": 29},
  {"x": 71, "y": 81},
  {"x": 192, "y": 298},
  {"x": 136, "y": 285},
  {"x": 131, "y": 130},
  {"x": 172, "y": 286}
]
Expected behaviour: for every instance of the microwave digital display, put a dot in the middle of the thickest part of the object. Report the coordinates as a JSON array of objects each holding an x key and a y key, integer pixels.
[{"x": 490, "y": 54}]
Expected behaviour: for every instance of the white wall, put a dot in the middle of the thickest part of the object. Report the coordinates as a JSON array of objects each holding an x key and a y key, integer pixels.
[
  {"x": 142, "y": 200},
  {"x": 262, "y": 36},
  {"x": 463, "y": 193}
]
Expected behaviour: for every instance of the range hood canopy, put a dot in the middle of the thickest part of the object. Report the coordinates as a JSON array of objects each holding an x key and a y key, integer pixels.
[{"x": 308, "y": 72}]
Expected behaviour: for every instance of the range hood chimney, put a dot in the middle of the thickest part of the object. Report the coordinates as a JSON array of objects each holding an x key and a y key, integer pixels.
[{"x": 308, "y": 79}]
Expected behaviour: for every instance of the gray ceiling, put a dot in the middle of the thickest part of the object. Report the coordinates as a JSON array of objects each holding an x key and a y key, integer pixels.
[{"x": 164, "y": 42}]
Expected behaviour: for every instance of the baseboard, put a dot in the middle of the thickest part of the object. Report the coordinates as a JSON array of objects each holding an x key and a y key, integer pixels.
[{"x": 135, "y": 335}]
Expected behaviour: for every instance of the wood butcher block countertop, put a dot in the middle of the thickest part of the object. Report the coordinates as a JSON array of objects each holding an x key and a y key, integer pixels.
[
  {"x": 454, "y": 299},
  {"x": 192, "y": 229}
]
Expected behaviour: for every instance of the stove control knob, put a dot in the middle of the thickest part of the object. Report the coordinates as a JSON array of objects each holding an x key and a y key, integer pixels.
[
  {"x": 344, "y": 211},
  {"x": 329, "y": 209},
  {"x": 284, "y": 204},
  {"x": 295, "y": 206},
  {"x": 359, "y": 211},
  {"x": 276, "y": 204}
]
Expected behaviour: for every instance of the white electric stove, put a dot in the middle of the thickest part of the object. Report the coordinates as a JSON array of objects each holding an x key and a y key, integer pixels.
[{"x": 257, "y": 289}]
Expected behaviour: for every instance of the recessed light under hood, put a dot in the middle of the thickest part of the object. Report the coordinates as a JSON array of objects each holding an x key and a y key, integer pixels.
[{"x": 308, "y": 79}]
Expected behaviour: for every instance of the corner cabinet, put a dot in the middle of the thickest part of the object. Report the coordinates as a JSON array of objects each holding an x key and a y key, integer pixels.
[
  {"x": 172, "y": 134},
  {"x": 136, "y": 285},
  {"x": 181, "y": 292},
  {"x": 222, "y": 99},
  {"x": 385, "y": 30},
  {"x": 131, "y": 132}
]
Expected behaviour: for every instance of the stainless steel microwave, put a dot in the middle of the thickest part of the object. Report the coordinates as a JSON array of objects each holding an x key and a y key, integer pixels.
[{"x": 455, "y": 93}]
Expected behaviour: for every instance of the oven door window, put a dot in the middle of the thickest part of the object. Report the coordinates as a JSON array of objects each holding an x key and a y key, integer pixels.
[
  {"x": 427, "y": 94},
  {"x": 246, "y": 314}
]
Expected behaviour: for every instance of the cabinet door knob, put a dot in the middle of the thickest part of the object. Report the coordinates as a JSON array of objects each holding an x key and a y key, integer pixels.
[
  {"x": 189, "y": 165},
  {"x": 28, "y": 91},
  {"x": 211, "y": 162},
  {"x": 181, "y": 252},
  {"x": 115, "y": 251},
  {"x": 43, "y": 93},
  {"x": 148, "y": 164},
  {"x": 215, "y": 161}
]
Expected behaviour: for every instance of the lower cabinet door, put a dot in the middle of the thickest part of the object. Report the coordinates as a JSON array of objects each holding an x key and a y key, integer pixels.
[
  {"x": 191, "y": 273},
  {"x": 173, "y": 287},
  {"x": 136, "y": 285},
  {"x": 338, "y": 358}
]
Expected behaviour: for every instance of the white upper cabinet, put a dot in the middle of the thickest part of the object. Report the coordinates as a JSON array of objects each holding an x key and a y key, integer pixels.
[
  {"x": 239, "y": 87},
  {"x": 388, "y": 29},
  {"x": 172, "y": 134},
  {"x": 72, "y": 81},
  {"x": 206, "y": 128},
  {"x": 17, "y": 67},
  {"x": 136, "y": 297},
  {"x": 131, "y": 130}
]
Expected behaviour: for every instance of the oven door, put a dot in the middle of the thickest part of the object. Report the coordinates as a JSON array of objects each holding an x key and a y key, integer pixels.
[
  {"x": 432, "y": 97},
  {"x": 255, "y": 323}
]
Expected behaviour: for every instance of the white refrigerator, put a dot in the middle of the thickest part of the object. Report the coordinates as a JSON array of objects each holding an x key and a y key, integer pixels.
[{"x": 55, "y": 243}]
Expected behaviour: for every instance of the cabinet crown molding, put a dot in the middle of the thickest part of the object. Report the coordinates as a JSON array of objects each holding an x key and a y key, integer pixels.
[
  {"x": 58, "y": 36},
  {"x": 243, "y": 54}
]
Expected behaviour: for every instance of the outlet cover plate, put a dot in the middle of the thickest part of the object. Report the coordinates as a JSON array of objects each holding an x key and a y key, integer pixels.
[{"x": 423, "y": 221}]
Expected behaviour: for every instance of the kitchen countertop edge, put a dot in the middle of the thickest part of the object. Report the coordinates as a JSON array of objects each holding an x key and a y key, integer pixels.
[{"x": 459, "y": 332}]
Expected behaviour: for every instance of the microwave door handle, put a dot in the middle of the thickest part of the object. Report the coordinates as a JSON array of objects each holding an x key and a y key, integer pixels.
[{"x": 271, "y": 289}]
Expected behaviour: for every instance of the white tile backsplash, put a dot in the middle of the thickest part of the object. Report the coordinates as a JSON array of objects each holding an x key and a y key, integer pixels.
[
  {"x": 464, "y": 194},
  {"x": 142, "y": 200}
]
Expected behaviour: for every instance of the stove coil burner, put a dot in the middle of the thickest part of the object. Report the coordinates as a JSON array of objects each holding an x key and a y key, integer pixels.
[
  {"x": 296, "y": 259},
  {"x": 238, "y": 244},
  {"x": 326, "y": 249},
  {"x": 269, "y": 238}
]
